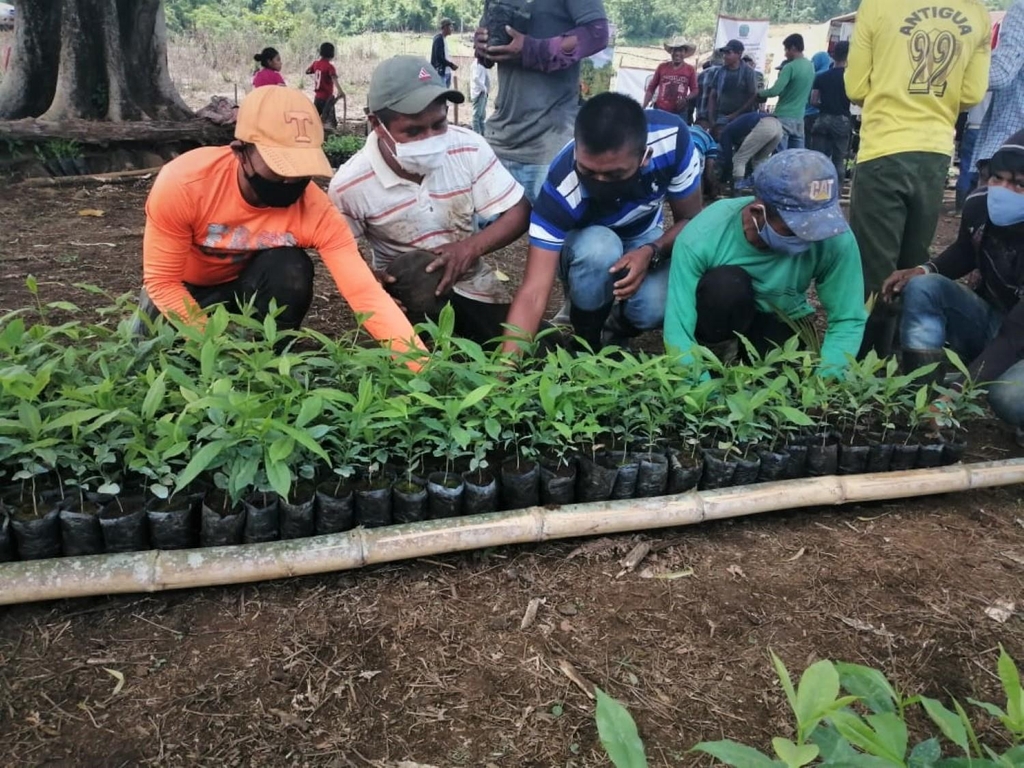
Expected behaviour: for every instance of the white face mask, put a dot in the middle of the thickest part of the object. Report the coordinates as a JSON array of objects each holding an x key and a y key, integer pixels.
[{"x": 420, "y": 157}]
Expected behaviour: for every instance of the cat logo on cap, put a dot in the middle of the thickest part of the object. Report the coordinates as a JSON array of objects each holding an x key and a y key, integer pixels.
[{"x": 821, "y": 190}]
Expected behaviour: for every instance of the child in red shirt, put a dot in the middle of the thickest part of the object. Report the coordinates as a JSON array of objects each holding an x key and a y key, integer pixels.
[
  {"x": 325, "y": 78},
  {"x": 675, "y": 81}
]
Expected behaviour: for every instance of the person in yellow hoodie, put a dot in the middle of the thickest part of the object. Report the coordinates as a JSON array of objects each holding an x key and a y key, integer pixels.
[{"x": 913, "y": 67}]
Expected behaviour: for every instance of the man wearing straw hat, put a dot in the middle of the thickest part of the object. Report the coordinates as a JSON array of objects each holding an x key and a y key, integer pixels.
[{"x": 674, "y": 81}]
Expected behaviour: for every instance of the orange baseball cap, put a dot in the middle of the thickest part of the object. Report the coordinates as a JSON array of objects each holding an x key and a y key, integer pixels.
[{"x": 285, "y": 127}]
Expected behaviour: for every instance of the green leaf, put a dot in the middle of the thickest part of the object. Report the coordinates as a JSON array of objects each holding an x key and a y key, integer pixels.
[
  {"x": 948, "y": 722},
  {"x": 475, "y": 396},
  {"x": 735, "y": 754},
  {"x": 861, "y": 735},
  {"x": 785, "y": 680},
  {"x": 972, "y": 737},
  {"x": 925, "y": 754},
  {"x": 32, "y": 285},
  {"x": 793, "y": 755},
  {"x": 28, "y": 415},
  {"x": 160, "y": 491},
  {"x": 795, "y": 416},
  {"x": 280, "y": 478},
  {"x": 1010, "y": 678},
  {"x": 312, "y": 407},
  {"x": 834, "y": 748},
  {"x": 817, "y": 692},
  {"x": 154, "y": 396},
  {"x": 73, "y": 418},
  {"x": 208, "y": 359},
  {"x": 892, "y": 734},
  {"x": 618, "y": 733},
  {"x": 201, "y": 461},
  {"x": 992, "y": 709},
  {"x": 869, "y": 685},
  {"x": 280, "y": 450}
]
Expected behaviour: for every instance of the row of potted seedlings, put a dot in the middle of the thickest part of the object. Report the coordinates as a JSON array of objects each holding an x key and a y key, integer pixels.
[{"x": 237, "y": 433}]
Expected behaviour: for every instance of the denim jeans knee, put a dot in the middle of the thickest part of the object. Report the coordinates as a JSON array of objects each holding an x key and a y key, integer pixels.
[
  {"x": 1006, "y": 395},
  {"x": 585, "y": 259}
]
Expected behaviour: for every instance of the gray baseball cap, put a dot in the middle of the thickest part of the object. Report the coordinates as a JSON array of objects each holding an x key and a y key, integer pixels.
[{"x": 407, "y": 85}]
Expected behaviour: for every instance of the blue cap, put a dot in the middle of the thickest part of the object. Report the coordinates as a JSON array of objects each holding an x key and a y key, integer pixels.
[{"x": 802, "y": 185}]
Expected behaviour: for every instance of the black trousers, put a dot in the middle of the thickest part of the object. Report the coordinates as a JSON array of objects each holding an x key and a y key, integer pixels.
[
  {"x": 474, "y": 320},
  {"x": 281, "y": 275},
  {"x": 726, "y": 306}
]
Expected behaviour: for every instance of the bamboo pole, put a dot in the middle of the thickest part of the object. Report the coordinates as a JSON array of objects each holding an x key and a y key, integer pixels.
[{"x": 156, "y": 571}]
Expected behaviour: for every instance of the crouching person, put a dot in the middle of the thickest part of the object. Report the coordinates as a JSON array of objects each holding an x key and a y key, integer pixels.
[
  {"x": 420, "y": 184},
  {"x": 598, "y": 223},
  {"x": 984, "y": 325},
  {"x": 745, "y": 261},
  {"x": 230, "y": 225}
]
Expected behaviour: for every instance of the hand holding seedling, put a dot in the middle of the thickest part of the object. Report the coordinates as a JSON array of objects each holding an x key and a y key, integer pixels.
[
  {"x": 456, "y": 259},
  {"x": 635, "y": 264},
  {"x": 897, "y": 281}
]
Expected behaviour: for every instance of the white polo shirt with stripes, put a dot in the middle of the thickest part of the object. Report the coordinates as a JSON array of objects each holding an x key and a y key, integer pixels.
[{"x": 397, "y": 215}]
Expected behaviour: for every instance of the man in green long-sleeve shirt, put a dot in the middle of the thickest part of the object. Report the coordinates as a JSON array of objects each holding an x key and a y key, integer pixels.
[
  {"x": 742, "y": 261},
  {"x": 793, "y": 88}
]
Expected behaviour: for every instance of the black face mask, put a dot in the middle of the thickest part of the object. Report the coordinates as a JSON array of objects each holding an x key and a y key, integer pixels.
[
  {"x": 605, "y": 192},
  {"x": 277, "y": 194},
  {"x": 610, "y": 191}
]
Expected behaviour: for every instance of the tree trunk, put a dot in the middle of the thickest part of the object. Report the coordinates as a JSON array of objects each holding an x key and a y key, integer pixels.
[
  {"x": 28, "y": 88},
  {"x": 93, "y": 60}
]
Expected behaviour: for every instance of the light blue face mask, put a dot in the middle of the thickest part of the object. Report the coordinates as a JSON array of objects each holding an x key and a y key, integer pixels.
[
  {"x": 791, "y": 245},
  {"x": 1005, "y": 207}
]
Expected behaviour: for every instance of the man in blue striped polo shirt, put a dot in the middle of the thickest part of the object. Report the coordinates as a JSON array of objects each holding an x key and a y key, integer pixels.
[{"x": 598, "y": 224}]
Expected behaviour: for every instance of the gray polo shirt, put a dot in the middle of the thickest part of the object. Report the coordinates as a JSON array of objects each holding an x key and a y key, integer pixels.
[{"x": 535, "y": 111}]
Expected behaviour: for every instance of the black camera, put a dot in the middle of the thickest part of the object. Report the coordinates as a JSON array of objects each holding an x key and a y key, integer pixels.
[{"x": 499, "y": 14}]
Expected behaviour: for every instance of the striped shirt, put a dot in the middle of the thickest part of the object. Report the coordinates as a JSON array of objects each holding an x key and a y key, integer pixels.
[
  {"x": 398, "y": 216},
  {"x": 673, "y": 172}
]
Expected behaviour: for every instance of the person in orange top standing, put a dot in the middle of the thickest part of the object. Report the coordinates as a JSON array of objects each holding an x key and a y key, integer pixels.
[
  {"x": 231, "y": 224},
  {"x": 674, "y": 81}
]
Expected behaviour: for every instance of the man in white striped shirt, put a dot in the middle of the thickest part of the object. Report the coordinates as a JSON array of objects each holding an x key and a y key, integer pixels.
[
  {"x": 598, "y": 223},
  {"x": 420, "y": 184}
]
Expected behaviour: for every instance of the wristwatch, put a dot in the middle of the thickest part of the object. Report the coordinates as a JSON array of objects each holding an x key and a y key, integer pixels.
[{"x": 657, "y": 256}]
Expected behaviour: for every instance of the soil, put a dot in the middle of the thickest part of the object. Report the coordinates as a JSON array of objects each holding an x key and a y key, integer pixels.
[{"x": 426, "y": 660}]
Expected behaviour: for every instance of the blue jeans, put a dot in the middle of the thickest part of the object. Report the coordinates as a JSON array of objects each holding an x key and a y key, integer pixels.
[
  {"x": 968, "y": 178},
  {"x": 532, "y": 177},
  {"x": 479, "y": 113},
  {"x": 583, "y": 267},
  {"x": 792, "y": 133},
  {"x": 938, "y": 311}
]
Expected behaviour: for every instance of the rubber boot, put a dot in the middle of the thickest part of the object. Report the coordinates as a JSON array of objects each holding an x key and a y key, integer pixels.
[
  {"x": 918, "y": 358},
  {"x": 879, "y": 332},
  {"x": 588, "y": 324},
  {"x": 617, "y": 329}
]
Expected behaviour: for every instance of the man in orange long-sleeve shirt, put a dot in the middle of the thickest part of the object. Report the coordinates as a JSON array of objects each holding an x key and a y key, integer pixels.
[{"x": 231, "y": 224}]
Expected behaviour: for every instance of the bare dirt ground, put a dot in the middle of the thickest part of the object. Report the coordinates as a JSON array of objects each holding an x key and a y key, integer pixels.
[{"x": 426, "y": 660}]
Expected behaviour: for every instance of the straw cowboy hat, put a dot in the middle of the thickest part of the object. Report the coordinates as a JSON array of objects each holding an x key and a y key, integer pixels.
[{"x": 679, "y": 42}]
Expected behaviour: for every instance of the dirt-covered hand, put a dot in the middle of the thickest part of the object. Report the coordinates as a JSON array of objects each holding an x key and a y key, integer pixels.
[
  {"x": 635, "y": 264},
  {"x": 897, "y": 281},
  {"x": 480, "y": 38},
  {"x": 386, "y": 280},
  {"x": 511, "y": 52},
  {"x": 456, "y": 259}
]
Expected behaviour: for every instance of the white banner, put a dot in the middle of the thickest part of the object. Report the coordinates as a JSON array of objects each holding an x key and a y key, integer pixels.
[
  {"x": 632, "y": 81},
  {"x": 753, "y": 33}
]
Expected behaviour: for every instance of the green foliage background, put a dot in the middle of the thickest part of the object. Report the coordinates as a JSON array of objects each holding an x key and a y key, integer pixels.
[{"x": 637, "y": 20}]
